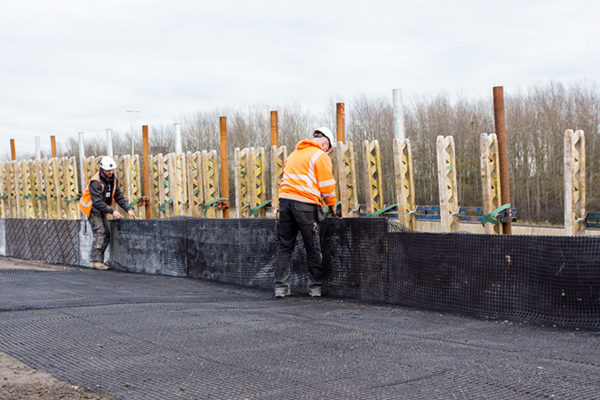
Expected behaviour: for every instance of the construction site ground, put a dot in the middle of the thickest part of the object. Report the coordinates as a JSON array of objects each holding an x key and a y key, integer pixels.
[{"x": 76, "y": 333}]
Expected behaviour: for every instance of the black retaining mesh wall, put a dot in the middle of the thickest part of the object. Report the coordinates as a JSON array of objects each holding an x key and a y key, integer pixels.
[
  {"x": 528, "y": 278},
  {"x": 51, "y": 241}
]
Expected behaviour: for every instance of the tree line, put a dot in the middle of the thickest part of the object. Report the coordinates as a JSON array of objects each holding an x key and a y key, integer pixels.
[{"x": 536, "y": 118}]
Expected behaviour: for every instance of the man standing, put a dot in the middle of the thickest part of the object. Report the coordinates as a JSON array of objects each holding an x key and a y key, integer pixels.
[
  {"x": 307, "y": 177},
  {"x": 96, "y": 203}
]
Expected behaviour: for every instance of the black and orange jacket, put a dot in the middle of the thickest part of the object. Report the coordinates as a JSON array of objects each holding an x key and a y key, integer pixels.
[
  {"x": 308, "y": 175},
  {"x": 97, "y": 199}
]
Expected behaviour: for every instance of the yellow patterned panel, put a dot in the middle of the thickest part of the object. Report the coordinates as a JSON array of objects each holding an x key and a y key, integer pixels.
[
  {"x": 405, "y": 187},
  {"x": 447, "y": 184},
  {"x": 3, "y": 192},
  {"x": 490, "y": 179},
  {"x": 278, "y": 157},
  {"x": 347, "y": 191},
  {"x": 178, "y": 183},
  {"x": 212, "y": 190},
  {"x": 41, "y": 194},
  {"x": 52, "y": 188},
  {"x": 575, "y": 213},
  {"x": 159, "y": 187},
  {"x": 194, "y": 182},
  {"x": 372, "y": 165},
  {"x": 70, "y": 188},
  {"x": 242, "y": 183},
  {"x": 258, "y": 185},
  {"x": 90, "y": 166}
]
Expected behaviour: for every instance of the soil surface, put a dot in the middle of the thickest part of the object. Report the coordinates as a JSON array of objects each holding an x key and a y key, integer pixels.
[{"x": 20, "y": 382}]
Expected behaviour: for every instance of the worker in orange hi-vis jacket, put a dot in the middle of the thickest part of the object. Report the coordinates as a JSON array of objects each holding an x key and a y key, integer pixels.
[
  {"x": 307, "y": 179},
  {"x": 96, "y": 202}
]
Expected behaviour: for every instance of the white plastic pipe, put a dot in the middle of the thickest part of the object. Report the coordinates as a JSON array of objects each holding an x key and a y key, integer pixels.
[
  {"x": 399, "y": 132},
  {"x": 109, "y": 148},
  {"x": 38, "y": 150},
  {"x": 177, "y": 138},
  {"x": 81, "y": 158}
]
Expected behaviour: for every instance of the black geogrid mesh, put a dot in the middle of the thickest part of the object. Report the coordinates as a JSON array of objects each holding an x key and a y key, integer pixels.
[
  {"x": 157, "y": 338},
  {"x": 52, "y": 241},
  {"x": 527, "y": 278}
]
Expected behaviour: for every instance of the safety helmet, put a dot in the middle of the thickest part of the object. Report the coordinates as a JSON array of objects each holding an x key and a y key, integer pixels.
[
  {"x": 327, "y": 133},
  {"x": 107, "y": 163}
]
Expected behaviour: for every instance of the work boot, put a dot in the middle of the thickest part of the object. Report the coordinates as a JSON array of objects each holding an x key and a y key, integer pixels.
[
  {"x": 99, "y": 265},
  {"x": 282, "y": 292}
]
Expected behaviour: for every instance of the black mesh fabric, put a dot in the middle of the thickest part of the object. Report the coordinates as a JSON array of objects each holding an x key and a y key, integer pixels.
[
  {"x": 51, "y": 241},
  {"x": 527, "y": 278},
  {"x": 552, "y": 279}
]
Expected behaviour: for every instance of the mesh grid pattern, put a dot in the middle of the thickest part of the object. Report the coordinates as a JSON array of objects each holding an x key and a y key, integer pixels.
[
  {"x": 550, "y": 279},
  {"x": 157, "y": 337},
  {"x": 526, "y": 278},
  {"x": 52, "y": 241}
]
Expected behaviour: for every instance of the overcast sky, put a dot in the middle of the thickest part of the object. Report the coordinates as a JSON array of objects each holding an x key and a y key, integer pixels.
[{"x": 77, "y": 66}]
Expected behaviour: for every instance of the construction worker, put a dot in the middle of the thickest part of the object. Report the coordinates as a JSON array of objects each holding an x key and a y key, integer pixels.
[
  {"x": 96, "y": 203},
  {"x": 307, "y": 179}
]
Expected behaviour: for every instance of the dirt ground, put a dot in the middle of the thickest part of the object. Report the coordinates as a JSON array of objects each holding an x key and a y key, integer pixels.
[{"x": 20, "y": 382}]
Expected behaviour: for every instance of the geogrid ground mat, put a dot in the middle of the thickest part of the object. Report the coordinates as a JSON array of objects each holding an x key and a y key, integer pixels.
[{"x": 156, "y": 337}]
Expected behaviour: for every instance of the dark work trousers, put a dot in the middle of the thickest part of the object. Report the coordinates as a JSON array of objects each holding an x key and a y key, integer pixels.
[
  {"x": 296, "y": 216},
  {"x": 101, "y": 236}
]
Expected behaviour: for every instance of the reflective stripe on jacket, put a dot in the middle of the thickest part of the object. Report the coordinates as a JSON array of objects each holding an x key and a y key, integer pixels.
[
  {"x": 308, "y": 175},
  {"x": 86, "y": 203}
]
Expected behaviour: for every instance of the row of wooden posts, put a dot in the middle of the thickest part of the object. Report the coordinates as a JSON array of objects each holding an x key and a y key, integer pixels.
[{"x": 188, "y": 184}]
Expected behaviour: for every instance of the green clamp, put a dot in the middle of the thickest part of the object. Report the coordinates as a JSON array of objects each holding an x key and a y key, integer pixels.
[
  {"x": 332, "y": 209},
  {"x": 43, "y": 196},
  {"x": 386, "y": 209},
  {"x": 73, "y": 199},
  {"x": 491, "y": 216},
  {"x": 162, "y": 206},
  {"x": 27, "y": 196},
  {"x": 138, "y": 199},
  {"x": 253, "y": 211},
  {"x": 4, "y": 196},
  {"x": 213, "y": 202}
]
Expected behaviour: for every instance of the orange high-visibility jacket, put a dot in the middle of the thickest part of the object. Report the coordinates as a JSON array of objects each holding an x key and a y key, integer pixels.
[
  {"x": 86, "y": 203},
  {"x": 308, "y": 175}
]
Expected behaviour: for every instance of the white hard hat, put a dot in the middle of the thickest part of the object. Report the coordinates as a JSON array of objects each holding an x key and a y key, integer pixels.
[
  {"x": 107, "y": 163},
  {"x": 325, "y": 131}
]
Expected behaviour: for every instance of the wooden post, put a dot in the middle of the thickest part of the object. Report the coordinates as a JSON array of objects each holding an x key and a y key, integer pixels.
[
  {"x": 346, "y": 180},
  {"x": 373, "y": 180},
  {"x": 405, "y": 186},
  {"x": 146, "y": 166},
  {"x": 447, "y": 184},
  {"x": 500, "y": 126},
  {"x": 274, "y": 129},
  {"x": 13, "y": 150},
  {"x": 341, "y": 122},
  {"x": 53, "y": 145},
  {"x": 574, "y": 180},
  {"x": 490, "y": 179},
  {"x": 224, "y": 165}
]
